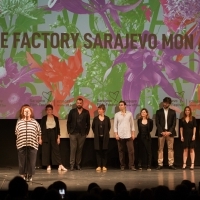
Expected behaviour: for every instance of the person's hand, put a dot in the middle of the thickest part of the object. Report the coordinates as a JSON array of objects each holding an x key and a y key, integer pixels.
[
  {"x": 117, "y": 137},
  {"x": 40, "y": 141},
  {"x": 193, "y": 138},
  {"x": 163, "y": 134},
  {"x": 133, "y": 137},
  {"x": 58, "y": 141},
  {"x": 167, "y": 133},
  {"x": 182, "y": 139}
]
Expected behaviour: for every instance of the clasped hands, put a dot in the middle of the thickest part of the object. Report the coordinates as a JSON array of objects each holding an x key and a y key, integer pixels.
[{"x": 166, "y": 133}]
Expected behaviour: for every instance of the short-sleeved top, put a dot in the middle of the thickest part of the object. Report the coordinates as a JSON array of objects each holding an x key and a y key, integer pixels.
[
  {"x": 27, "y": 133},
  {"x": 188, "y": 126}
]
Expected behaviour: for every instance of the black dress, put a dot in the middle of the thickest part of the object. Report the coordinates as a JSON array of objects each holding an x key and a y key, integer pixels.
[
  {"x": 144, "y": 140},
  {"x": 188, "y": 132}
]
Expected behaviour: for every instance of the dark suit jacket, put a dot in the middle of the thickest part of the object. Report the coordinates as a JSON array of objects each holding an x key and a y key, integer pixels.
[
  {"x": 160, "y": 122},
  {"x": 106, "y": 136},
  {"x": 85, "y": 123},
  {"x": 149, "y": 124},
  {"x": 43, "y": 128}
]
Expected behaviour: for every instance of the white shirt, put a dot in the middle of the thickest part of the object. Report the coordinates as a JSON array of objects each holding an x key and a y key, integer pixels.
[
  {"x": 50, "y": 122},
  {"x": 124, "y": 124},
  {"x": 166, "y": 114}
]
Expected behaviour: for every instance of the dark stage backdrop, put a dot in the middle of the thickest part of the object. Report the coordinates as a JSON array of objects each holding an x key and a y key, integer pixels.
[{"x": 8, "y": 151}]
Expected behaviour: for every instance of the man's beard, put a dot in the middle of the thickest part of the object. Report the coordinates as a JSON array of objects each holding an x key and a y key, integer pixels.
[
  {"x": 79, "y": 107},
  {"x": 166, "y": 107}
]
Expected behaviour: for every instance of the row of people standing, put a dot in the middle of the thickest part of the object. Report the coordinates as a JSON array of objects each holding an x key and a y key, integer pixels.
[
  {"x": 78, "y": 126},
  {"x": 165, "y": 122},
  {"x": 29, "y": 134}
]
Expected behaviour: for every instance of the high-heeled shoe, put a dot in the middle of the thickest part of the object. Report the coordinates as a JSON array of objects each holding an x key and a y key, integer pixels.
[
  {"x": 185, "y": 166},
  {"x": 192, "y": 168}
]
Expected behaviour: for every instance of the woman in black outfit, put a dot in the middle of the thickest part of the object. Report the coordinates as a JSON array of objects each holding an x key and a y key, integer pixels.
[
  {"x": 101, "y": 127},
  {"x": 145, "y": 126},
  {"x": 51, "y": 140},
  {"x": 188, "y": 133}
]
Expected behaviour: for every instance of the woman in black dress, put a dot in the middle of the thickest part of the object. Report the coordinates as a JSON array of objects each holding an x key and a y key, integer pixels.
[
  {"x": 145, "y": 126},
  {"x": 101, "y": 128},
  {"x": 188, "y": 132},
  {"x": 51, "y": 140}
]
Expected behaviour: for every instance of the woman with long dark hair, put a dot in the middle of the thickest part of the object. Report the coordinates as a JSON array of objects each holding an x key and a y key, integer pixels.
[
  {"x": 51, "y": 140},
  {"x": 28, "y": 134},
  {"x": 188, "y": 134},
  {"x": 145, "y": 126}
]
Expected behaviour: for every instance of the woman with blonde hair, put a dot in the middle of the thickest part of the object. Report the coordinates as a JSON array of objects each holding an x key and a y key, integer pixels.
[
  {"x": 145, "y": 126},
  {"x": 188, "y": 133}
]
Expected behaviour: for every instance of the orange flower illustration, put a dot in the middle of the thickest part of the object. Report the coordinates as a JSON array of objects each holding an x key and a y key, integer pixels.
[{"x": 58, "y": 75}]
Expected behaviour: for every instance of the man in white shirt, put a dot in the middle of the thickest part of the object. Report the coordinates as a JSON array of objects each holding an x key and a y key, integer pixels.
[
  {"x": 166, "y": 123},
  {"x": 125, "y": 134}
]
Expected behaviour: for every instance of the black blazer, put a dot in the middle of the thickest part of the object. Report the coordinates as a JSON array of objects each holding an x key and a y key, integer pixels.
[
  {"x": 85, "y": 123},
  {"x": 43, "y": 128},
  {"x": 160, "y": 122},
  {"x": 149, "y": 124},
  {"x": 106, "y": 132}
]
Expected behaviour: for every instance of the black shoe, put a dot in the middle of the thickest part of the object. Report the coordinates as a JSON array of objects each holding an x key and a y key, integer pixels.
[
  {"x": 172, "y": 167},
  {"x": 122, "y": 168},
  {"x": 78, "y": 167},
  {"x": 71, "y": 168},
  {"x": 133, "y": 168},
  {"x": 159, "y": 167}
]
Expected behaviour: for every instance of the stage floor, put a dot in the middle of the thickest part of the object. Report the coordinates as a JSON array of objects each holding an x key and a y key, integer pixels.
[{"x": 79, "y": 180}]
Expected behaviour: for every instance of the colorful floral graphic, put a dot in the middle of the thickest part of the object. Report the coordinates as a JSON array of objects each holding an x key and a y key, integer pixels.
[
  {"x": 13, "y": 94},
  {"x": 140, "y": 76},
  {"x": 179, "y": 14},
  {"x": 58, "y": 75}
]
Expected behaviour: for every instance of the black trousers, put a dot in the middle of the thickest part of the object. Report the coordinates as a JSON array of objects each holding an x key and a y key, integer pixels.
[
  {"x": 122, "y": 144},
  {"x": 76, "y": 146},
  {"x": 50, "y": 150},
  {"x": 27, "y": 160},
  {"x": 101, "y": 154},
  {"x": 144, "y": 147}
]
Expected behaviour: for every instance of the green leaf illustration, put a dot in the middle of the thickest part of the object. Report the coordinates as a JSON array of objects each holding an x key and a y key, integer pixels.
[
  {"x": 20, "y": 57},
  {"x": 24, "y": 24}
]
